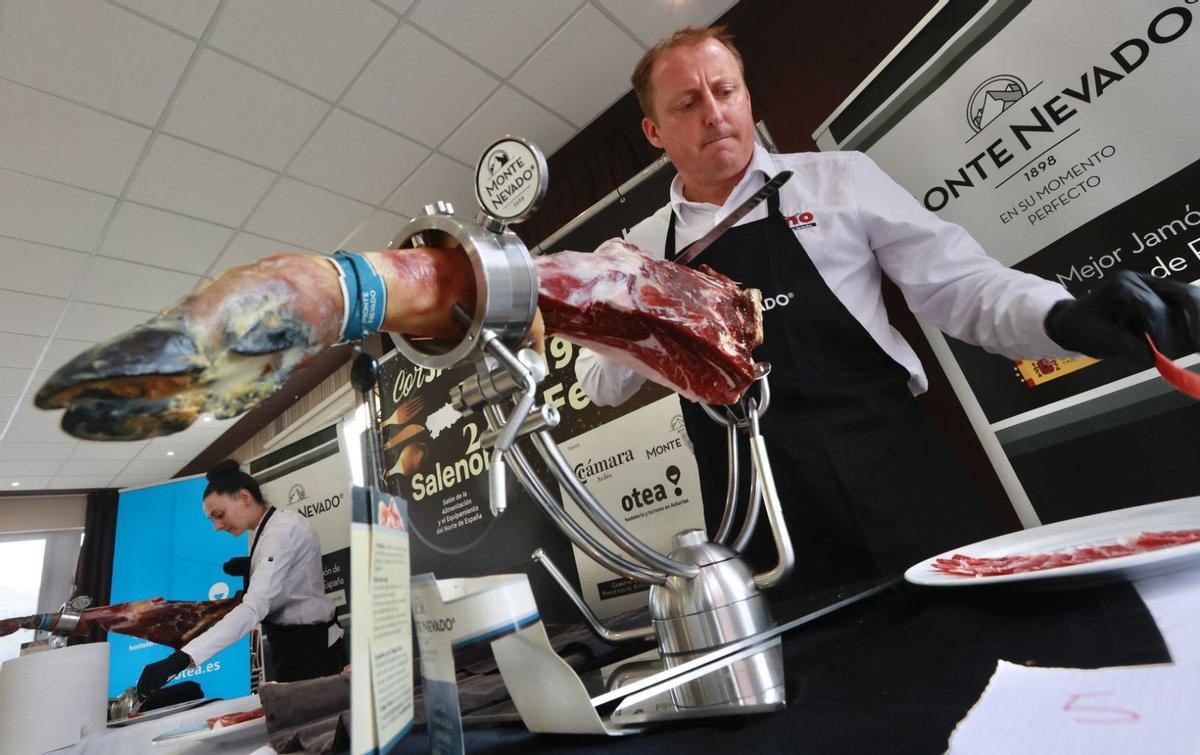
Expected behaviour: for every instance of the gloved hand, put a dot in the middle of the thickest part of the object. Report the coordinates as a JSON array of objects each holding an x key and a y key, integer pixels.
[
  {"x": 238, "y": 566},
  {"x": 1113, "y": 319},
  {"x": 157, "y": 674}
]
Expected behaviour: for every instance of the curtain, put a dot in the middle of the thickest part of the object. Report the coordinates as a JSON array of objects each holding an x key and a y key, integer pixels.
[{"x": 93, "y": 571}]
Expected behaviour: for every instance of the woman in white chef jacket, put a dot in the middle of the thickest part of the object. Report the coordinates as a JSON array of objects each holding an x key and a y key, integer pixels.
[{"x": 285, "y": 589}]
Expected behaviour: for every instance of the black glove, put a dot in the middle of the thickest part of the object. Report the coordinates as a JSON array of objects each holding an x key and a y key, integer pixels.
[
  {"x": 157, "y": 674},
  {"x": 238, "y": 566},
  {"x": 1113, "y": 319}
]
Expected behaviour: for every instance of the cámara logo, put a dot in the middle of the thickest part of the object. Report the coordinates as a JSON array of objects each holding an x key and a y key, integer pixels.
[{"x": 993, "y": 97}]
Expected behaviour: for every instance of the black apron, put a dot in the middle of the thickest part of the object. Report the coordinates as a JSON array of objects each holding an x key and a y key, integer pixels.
[
  {"x": 867, "y": 485},
  {"x": 299, "y": 651}
]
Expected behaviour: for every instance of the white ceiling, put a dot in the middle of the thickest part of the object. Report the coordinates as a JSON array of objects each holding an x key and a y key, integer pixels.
[{"x": 150, "y": 144}]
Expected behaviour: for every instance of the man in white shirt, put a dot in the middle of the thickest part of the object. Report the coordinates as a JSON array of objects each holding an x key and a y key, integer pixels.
[{"x": 868, "y": 486}]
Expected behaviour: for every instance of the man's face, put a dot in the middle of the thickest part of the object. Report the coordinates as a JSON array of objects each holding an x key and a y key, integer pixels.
[{"x": 701, "y": 113}]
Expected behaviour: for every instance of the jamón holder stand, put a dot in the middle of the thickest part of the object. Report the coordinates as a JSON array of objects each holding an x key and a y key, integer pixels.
[{"x": 704, "y": 599}]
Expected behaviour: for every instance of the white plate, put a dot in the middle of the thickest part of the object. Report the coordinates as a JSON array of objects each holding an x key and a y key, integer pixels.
[
  {"x": 1183, "y": 514},
  {"x": 199, "y": 732}
]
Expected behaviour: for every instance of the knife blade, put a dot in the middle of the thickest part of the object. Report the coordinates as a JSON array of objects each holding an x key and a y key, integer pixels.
[{"x": 742, "y": 210}]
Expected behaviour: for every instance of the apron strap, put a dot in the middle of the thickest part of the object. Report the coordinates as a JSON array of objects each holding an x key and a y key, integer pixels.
[
  {"x": 669, "y": 245},
  {"x": 258, "y": 533}
]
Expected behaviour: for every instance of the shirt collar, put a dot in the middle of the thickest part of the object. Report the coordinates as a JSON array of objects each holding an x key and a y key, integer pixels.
[{"x": 760, "y": 169}]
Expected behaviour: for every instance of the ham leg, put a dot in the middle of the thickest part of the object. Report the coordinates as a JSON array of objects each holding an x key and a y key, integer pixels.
[
  {"x": 227, "y": 347},
  {"x": 173, "y": 623}
]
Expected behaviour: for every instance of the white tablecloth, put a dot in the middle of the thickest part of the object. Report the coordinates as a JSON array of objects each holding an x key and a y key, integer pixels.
[
  {"x": 136, "y": 738},
  {"x": 1174, "y": 602}
]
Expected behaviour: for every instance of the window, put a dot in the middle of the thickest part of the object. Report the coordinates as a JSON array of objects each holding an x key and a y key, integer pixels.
[{"x": 20, "y": 583}]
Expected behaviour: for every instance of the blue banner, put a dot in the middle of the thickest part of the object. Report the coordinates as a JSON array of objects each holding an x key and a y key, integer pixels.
[{"x": 166, "y": 546}]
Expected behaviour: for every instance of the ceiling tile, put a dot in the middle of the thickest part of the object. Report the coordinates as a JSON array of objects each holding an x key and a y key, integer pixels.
[
  {"x": 93, "y": 52},
  {"x": 133, "y": 286},
  {"x": 357, "y": 158},
  {"x": 164, "y": 239},
  {"x": 25, "y": 265},
  {"x": 205, "y": 431},
  {"x": 163, "y": 469},
  {"x": 199, "y": 182},
  {"x": 8, "y": 405},
  {"x": 19, "y": 350},
  {"x": 377, "y": 233},
  {"x": 95, "y": 322},
  {"x": 233, "y": 108},
  {"x": 27, "y": 314},
  {"x": 315, "y": 44},
  {"x": 27, "y": 412},
  {"x": 651, "y": 20},
  {"x": 247, "y": 248},
  {"x": 398, "y": 5},
  {"x": 94, "y": 450},
  {"x": 171, "y": 449},
  {"x": 308, "y": 216},
  {"x": 129, "y": 480},
  {"x": 76, "y": 482},
  {"x": 13, "y": 379},
  {"x": 439, "y": 178},
  {"x": 56, "y": 139},
  {"x": 187, "y": 16},
  {"x": 35, "y": 432},
  {"x": 10, "y": 469},
  {"x": 583, "y": 69},
  {"x": 37, "y": 210},
  {"x": 498, "y": 35},
  {"x": 94, "y": 467},
  {"x": 61, "y": 351},
  {"x": 34, "y": 451},
  {"x": 24, "y": 483},
  {"x": 507, "y": 112},
  {"x": 183, "y": 446},
  {"x": 419, "y": 87}
]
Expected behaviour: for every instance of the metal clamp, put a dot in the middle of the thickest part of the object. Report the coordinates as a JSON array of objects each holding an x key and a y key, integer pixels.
[{"x": 761, "y": 370}]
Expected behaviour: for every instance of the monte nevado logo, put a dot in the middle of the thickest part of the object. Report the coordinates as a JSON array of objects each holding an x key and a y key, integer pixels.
[
  {"x": 993, "y": 97},
  {"x": 296, "y": 494}
]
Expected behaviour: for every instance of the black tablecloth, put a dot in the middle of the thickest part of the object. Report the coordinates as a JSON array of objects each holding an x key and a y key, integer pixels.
[{"x": 893, "y": 674}]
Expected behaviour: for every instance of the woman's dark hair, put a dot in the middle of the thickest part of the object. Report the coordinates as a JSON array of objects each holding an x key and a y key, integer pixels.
[{"x": 228, "y": 478}]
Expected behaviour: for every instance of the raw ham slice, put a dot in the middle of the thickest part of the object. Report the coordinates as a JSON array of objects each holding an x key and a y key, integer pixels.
[
  {"x": 229, "y": 719},
  {"x": 690, "y": 330},
  {"x": 967, "y": 566}
]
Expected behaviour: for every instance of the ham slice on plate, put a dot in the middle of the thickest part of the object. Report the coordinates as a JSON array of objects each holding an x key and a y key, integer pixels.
[
  {"x": 231, "y": 719},
  {"x": 967, "y": 566}
]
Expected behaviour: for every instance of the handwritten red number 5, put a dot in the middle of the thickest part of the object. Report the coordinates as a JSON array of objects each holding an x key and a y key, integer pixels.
[{"x": 1110, "y": 715}]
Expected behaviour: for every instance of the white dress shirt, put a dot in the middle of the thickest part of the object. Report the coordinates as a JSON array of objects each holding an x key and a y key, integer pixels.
[
  {"x": 863, "y": 226},
  {"x": 287, "y": 586}
]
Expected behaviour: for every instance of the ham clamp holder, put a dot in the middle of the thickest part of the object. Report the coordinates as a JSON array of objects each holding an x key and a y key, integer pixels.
[{"x": 704, "y": 599}]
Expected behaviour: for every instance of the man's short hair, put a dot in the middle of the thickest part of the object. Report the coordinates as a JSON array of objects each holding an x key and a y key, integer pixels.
[{"x": 685, "y": 37}]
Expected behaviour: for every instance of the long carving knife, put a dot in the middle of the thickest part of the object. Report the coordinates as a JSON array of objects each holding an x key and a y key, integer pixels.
[{"x": 744, "y": 209}]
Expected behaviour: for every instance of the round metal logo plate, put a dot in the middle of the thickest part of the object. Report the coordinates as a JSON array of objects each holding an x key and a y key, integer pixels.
[{"x": 511, "y": 179}]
